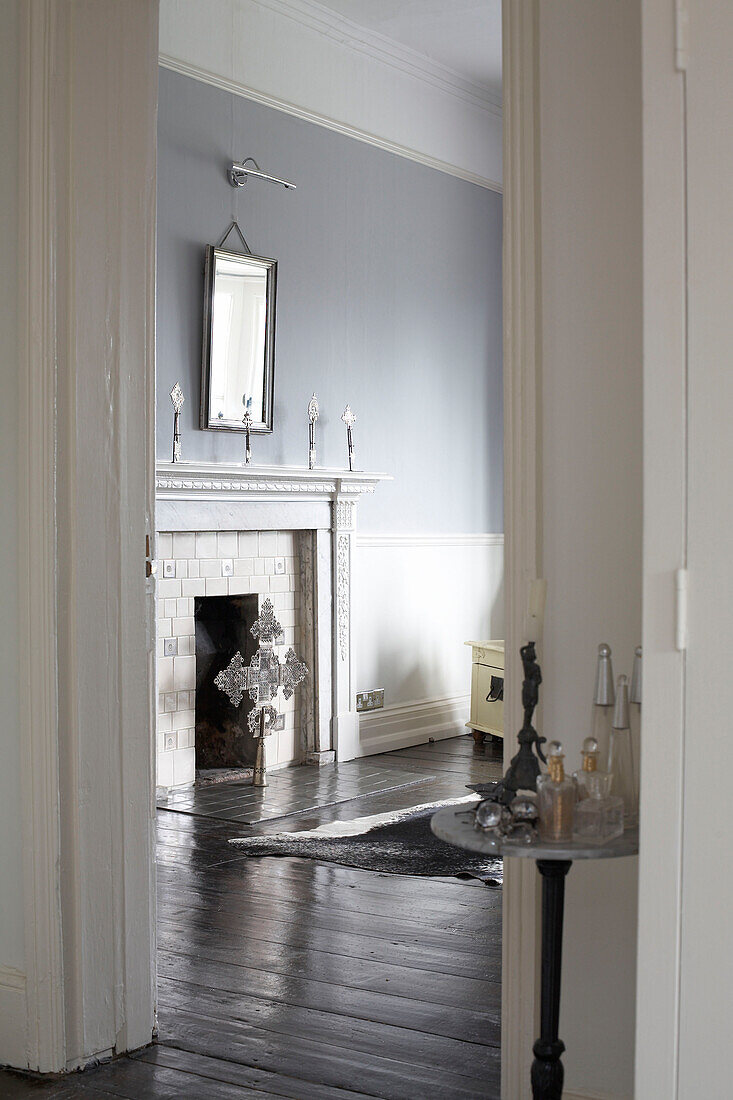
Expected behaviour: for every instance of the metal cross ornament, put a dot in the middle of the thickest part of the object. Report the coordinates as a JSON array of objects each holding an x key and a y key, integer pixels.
[
  {"x": 349, "y": 420},
  {"x": 177, "y": 399},
  {"x": 263, "y": 678}
]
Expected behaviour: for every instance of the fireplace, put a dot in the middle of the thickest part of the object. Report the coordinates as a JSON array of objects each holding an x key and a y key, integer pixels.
[
  {"x": 222, "y": 739},
  {"x": 246, "y": 531},
  {"x": 210, "y": 589}
]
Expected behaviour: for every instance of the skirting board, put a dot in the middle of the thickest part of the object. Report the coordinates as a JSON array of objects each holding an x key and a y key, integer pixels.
[
  {"x": 13, "y": 1050},
  {"x": 414, "y": 723}
]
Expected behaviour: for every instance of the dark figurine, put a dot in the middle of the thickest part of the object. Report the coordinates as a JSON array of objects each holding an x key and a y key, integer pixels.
[
  {"x": 532, "y": 681},
  {"x": 521, "y": 775}
]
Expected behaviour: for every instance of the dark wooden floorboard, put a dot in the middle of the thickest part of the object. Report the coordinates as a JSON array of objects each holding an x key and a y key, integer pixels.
[
  {"x": 446, "y": 960},
  {"x": 326, "y": 966},
  {"x": 293, "y": 978},
  {"x": 323, "y": 1062},
  {"x": 234, "y": 1073},
  {"x": 300, "y": 1001},
  {"x": 246, "y": 879}
]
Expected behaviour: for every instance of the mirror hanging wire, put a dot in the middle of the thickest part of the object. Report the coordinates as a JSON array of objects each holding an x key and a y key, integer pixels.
[{"x": 235, "y": 225}]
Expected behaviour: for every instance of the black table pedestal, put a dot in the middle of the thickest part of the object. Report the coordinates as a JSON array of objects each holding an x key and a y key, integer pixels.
[
  {"x": 547, "y": 1069},
  {"x": 554, "y": 860}
]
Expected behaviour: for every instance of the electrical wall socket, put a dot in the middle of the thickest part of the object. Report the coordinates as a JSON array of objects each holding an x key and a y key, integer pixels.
[
  {"x": 370, "y": 700},
  {"x": 279, "y": 566},
  {"x": 169, "y": 569},
  {"x": 170, "y": 647},
  {"x": 227, "y": 567}
]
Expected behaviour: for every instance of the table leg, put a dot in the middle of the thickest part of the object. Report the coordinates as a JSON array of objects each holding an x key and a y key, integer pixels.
[{"x": 547, "y": 1069}]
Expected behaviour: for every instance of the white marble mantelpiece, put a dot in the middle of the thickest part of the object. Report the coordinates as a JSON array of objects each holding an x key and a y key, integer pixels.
[
  {"x": 321, "y": 504},
  {"x": 209, "y": 496}
]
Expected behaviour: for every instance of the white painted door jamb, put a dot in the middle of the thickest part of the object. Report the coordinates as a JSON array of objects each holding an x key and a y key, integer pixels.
[
  {"x": 45, "y": 1027},
  {"x": 87, "y": 291},
  {"x": 523, "y": 549},
  {"x": 664, "y": 632}
]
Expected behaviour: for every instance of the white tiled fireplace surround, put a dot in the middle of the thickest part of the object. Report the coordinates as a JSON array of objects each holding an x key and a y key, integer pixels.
[
  {"x": 217, "y": 563},
  {"x": 282, "y": 532}
]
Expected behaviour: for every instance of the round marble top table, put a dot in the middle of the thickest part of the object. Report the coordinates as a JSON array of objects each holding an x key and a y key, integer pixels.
[{"x": 553, "y": 863}]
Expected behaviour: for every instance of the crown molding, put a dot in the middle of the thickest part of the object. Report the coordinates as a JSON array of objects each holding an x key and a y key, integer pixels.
[
  {"x": 236, "y": 87},
  {"x": 386, "y": 50}
]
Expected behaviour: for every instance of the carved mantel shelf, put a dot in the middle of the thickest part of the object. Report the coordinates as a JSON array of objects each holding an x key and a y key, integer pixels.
[{"x": 219, "y": 481}]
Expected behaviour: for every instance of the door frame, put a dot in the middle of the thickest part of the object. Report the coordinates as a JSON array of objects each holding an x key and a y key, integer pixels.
[
  {"x": 87, "y": 147},
  {"x": 522, "y": 495},
  {"x": 87, "y": 996}
]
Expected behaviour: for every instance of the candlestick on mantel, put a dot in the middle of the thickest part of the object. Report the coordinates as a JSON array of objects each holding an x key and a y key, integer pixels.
[
  {"x": 312, "y": 417},
  {"x": 535, "y": 620},
  {"x": 177, "y": 400},
  {"x": 349, "y": 420},
  {"x": 247, "y": 421}
]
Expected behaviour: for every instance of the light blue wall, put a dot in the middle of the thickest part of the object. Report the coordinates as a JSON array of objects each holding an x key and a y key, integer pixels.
[{"x": 389, "y": 298}]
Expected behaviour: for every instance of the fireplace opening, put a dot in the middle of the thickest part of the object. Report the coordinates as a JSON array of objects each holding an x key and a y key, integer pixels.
[{"x": 224, "y": 744}]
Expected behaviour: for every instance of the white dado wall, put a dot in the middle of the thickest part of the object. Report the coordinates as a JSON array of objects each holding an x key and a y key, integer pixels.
[
  {"x": 417, "y": 599},
  {"x": 216, "y": 563}
]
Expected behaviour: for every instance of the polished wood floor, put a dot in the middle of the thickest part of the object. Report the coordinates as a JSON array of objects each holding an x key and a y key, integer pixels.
[{"x": 292, "y": 978}]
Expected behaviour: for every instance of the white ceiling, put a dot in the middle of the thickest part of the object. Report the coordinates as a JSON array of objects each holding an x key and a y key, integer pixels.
[{"x": 463, "y": 35}]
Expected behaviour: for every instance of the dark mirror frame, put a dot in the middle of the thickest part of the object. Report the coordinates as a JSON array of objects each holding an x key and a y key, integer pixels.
[{"x": 270, "y": 267}]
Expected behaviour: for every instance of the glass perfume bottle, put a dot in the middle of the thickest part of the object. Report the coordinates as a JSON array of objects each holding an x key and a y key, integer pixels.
[
  {"x": 556, "y": 798},
  {"x": 604, "y": 699},
  {"x": 599, "y": 816},
  {"x": 635, "y": 717},
  {"x": 591, "y": 781},
  {"x": 621, "y": 757}
]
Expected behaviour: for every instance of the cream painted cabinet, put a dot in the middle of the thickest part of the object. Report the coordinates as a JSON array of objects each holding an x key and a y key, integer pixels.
[{"x": 487, "y": 690}]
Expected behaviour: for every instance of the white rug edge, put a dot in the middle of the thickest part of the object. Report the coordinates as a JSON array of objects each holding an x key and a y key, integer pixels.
[{"x": 358, "y": 826}]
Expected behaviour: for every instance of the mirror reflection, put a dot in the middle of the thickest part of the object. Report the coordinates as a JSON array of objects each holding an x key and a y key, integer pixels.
[{"x": 239, "y": 319}]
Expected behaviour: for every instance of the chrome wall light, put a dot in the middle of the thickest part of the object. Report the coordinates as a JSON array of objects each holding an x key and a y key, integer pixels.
[{"x": 239, "y": 174}]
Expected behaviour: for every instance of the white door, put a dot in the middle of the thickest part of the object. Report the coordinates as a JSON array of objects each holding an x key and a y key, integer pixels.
[{"x": 685, "y": 967}]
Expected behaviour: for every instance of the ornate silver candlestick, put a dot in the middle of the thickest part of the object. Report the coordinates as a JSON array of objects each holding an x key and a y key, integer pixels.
[
  {"x": 349, "y": 420},
  {"x": 247, "y": 421},
  {"x": 312, "y": 417},
  {"x": 263, "y": 678},
  {"x": 177, "y": 400}
]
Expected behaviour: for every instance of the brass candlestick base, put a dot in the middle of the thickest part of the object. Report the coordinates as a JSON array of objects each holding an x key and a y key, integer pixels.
[{"x": 259, "y": 777}]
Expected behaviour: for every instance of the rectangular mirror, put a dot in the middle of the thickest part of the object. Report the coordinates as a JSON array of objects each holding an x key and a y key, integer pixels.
[{"x": 239, "y": 341}]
